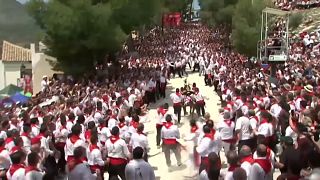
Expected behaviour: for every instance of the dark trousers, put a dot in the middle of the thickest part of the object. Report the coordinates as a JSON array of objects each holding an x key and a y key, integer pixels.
[
  {"x": 162, "y": 90},
  {"x": 115, "y": 170},
  {"x": 215, "y": 84},
  {"x": 176, "y": 150},
  {"x": 196, "y": 66},
  {"x": 200, "y": 109},
  {"x": 62, "y": 162},
  {"x": 178, "y": 70},
  {"x": 158, "y": 137},
  {"x": 177, "y": 111}
]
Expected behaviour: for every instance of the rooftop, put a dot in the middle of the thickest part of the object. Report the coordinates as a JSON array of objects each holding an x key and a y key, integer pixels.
[{"x": 13, "y": 53}]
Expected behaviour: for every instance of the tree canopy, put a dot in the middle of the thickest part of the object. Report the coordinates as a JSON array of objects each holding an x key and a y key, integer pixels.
[
  {"x": 243, "y": 18},
  {"x": 81, "y": 33}
]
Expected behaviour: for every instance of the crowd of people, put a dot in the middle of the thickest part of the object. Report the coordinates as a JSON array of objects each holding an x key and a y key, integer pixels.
[
  {"x": 288, "y": 5},
  {"x": 83, "y": 129}
]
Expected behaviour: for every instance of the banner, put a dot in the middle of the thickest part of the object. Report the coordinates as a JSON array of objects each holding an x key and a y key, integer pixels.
[{"x": 171, "y": 19}]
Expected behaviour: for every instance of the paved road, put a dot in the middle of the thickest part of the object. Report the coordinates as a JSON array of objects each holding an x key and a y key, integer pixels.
[{"x": 157, "y": 157}]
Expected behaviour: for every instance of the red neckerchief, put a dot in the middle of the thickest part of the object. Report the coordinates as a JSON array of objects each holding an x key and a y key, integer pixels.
[
  {"x": 31, "y": 168},
  {"x": 93, "y": 147},
  {"x": 178, "y": 94},
  {"x": 87, "y": 134},
  {"x": 134, "y": 124},
  {"x": 211, "y": 134},
  {"x": 9, "y": 140},
  {"x": 113, "y": 139},
  {"x": 15, "y": 149},
  {"x": 72, "y": 164},
  {"x": 162, "y": 111},
  {"x": 121, "y": 124},
  {"x": 265, "y": 164},
  {"x": 2, "y": 148},
  {"x": 71, "y": 120},
  {"x": 101, "y": 126},
  {"x": 25, "y": 135},
  {"x": 232, "y": 167},
  {"x": 248, "y": 159},
  {"x": 167, "y": 124},
  {"x": 74, "y": 138},
  {"x": 264, "y": 121},
  {"x": 194, "y": 128},
  {"x": 14, "y": 168},
  {"x": 228, "y": 122}
]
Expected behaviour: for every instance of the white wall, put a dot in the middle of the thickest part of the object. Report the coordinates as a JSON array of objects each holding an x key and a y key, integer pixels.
[
  {"x": 40, "y": 67},
  {"x": 10, "y": 72}
]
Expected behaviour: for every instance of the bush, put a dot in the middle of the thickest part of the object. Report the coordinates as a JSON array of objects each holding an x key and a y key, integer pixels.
[{"x": 295, "y": 20}]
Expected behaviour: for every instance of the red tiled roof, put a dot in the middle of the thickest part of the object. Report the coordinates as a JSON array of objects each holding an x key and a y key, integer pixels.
[{"x": 12, "y": 52}]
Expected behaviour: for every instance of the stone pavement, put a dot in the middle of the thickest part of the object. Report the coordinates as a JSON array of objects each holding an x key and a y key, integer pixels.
[{"x": 156, "y": 158}]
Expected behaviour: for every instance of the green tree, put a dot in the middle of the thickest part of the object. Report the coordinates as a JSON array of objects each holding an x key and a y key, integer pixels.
[
  {"x": 246, "y": 26},
  {"x": 82, "y": 32}
]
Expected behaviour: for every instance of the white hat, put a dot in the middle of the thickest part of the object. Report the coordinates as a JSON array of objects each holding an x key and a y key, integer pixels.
[{"x": 44, "y": 76}]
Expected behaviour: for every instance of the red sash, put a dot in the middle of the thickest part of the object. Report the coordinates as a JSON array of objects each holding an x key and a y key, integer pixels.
[
  {"x": 194, "y": 129},
  {"x": 117, "y": 161},
  {"x": 31, "y": 168},
  {"x": 248, "y": 159},
  {"x": 93, "y": 147},
  {"x": 265, "y": 164},
  {"x": 169, "y": 141},
  {"x": 14, "y": 168},
  {"x": 9, "y": 140}
]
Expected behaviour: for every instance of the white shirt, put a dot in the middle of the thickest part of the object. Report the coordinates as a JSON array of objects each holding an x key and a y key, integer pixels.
[
  {"x": 44, "y": 85},
  {"x": 265, "y": 129},
  {"x": 243, "y": 124},
  {"x": 247, "y": 167},
  {"x": 138, "y": 169},
  {"x": 94, "y": 157},
  {"x": 118, "y": 149},
  {"x": 7, "y": 161},
  {"x": 112, "y": 123},
  {"x": 175, "y": 98},
  {"x": 138, "y": 139},
  {"x": 225, "y": 130},
  {"x": 26, "y": 143},
  {"x": 256, "y": 172},
  {"x": 207, "y": 145},
  {"x": 34, "y": 175},
  {"x": 81, "y": 172},
  {"x": 104, "y": 133},
  {"x": 198, "y": 97},
  {"x": 17, "y": 175},
  {"x": 69, "y": 147},
  {"x": 170, "y": 133},
  {"x": 132, "y": 98}
]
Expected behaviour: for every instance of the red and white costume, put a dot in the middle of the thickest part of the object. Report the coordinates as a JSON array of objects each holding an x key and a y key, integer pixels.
[
  {"x": 94, "y": 157},
  {"x": 226, "y": 129},
  {"x": 72, "y": 143},
  {"x": 117, "y": 150},
  {"x": 16, "y": 172}
]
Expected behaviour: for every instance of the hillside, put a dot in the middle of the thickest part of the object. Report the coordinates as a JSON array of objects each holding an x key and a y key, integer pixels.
[{"x": 16, "y": 25}]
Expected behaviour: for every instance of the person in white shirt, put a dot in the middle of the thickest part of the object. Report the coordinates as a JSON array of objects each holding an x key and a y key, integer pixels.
[
  {"x": 17, "y": 169},
  {"x": 32, "y": 172},
  {"x": 138, "y": 169},
  {"x": 163, "y": 84},
  {"x": 211, "y": 142},
  {"x": 213, "y": 169},
  {"x": 44, "y": 84},
  {"x": 25, "y": 135},
  {"x": 244, "y": 132},
  {"x": 118, "y": 154},
  {"x": 4, "y": 156},
  {"x": 162, "y": 112},
  {"x": 94, "y": 155},
  {"x": 266, "y": 129},
  {"x": 34, "y": 127},
  {"x": 132, "y": 98},
  {"x": 139, "y": 139},
  {"x": 232, "y": 158},
  {"x": 199, "y": 102},
  {"x": 73, "y": 141},
  {"x": 177, "y": 103},
  {"x": 226, "y": 128},
  {"x": 169, "y": 134},
  {"x": 261, "y": 168},
  {"x": 246, "y": 159}
]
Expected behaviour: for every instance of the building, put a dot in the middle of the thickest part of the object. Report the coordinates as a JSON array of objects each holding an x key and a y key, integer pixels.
[{"x": 20, "y": 65}]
